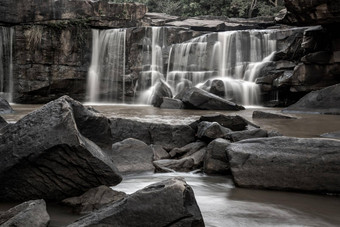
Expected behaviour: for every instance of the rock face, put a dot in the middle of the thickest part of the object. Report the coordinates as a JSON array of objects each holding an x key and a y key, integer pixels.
[
  {"x": 93, "y": 199},
  {"x": 216, "y": 159},
  {"x": 286, "y": 163},
  {"x": 168, "y": 136},
  {"x": 5, "y": 108},
  {"x": 197, "y": 98},
  {"x": 325, "y": 101},
  {"x": 168, "y": 203},
  {"x": 132, "y": 156},
  {"x": 268, "y": 115},
  {"x": 60, "y": 161},
  {"x": 31, "y": 213}
]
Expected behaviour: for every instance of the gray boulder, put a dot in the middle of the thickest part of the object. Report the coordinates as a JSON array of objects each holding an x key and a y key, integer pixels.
[
  {"x": 187, "y": 149},
  {"x": 5, "y": 108},
  {"x": 44, "y": 155},
  {"x": 93, "y": 199},
  {"x": 159, "y": 152},
  {"x": 324, "y": 101},
  {"x": 31, "y": 214},
  {"x": 246, "y": 134},
  {"x": 268, "y": 115},
  {"x": 3, "y": 122},
  {"x": 168, "y": 203},
  {"x": 169, "y": 103},
  {"x": 235, "y": 123},
  {"x": 197, "y": 98},
  {"x": 211, "y": 130},
  {"x": 161, "y": 90},
  {"x": 286, "y": 163},
  {"x": 132, "y": 156},
  {"x": 216, "y": 159}
]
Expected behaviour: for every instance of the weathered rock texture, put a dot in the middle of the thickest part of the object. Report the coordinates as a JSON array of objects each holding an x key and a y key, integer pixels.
[
  {"x": 5, "y": 108},
  {"x": 216, "y": 159},
  {"x": 168, "y": 203},
  {"x": 286, "y": 163},
  {"x": 46, "y": 154},
  {"x": 30, "y": 213}
]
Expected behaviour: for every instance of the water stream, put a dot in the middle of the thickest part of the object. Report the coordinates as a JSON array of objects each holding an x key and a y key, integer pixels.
[{"x": 6, "y": 64}]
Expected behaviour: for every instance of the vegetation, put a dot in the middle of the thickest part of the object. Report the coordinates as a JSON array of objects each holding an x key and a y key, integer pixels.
[{"x": 229, "y": 8}]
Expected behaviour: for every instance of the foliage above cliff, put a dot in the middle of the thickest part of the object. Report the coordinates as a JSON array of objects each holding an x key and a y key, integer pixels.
[{"x": 229, "y": 8}]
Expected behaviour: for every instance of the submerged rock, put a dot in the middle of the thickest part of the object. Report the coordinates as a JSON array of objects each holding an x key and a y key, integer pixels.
[
  {"x": 44, "y": 155},
  {"x": 168, "y": 203},
  {"x": 268, "y": 115},
  {"x": 216, "y": 159},
  {"x": 30, "y": 213},
  {"x": 93, "y": 199},
  {"x": 286, "y": 163},
  {"x": 5, "y": 108},
  {"x": 132, "y": 156}
]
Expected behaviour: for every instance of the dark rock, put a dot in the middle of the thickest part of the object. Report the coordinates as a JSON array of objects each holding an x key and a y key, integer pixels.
[
  {"x": 159, "y": 152},
  {"x": 5, "y": 108},
  {"x": 161, "y": 90},
  {"x": 199, "y": 99},
  {"x": 335, "y": 135},
  {"x": 246, "y": 134},
  {"x": 93, "y": 199},
  {"x": 132, "y": 156},
  {"x": 268, "y": 115},
  {"x": 286, "y": 163},
  {"x": 30, "y": 213},
  {"x": 217, "y": 88},
  {"x": 211, "y": 130},
  {"x": 168, "y": 203},
  {"x": 235, "y": 123},
  {"x": 45, "y": 156},
  {"x": 187, "y": 149},
  {"x": 322, "y": 57},
  {"x": 166, "y": 135},
  {"x": 199, "y": 25},
  {"x": 325, "y": 101},
  {"x": 216, "y": 159},
  {"x": 3, "y": 122},
  {"x": 169, "y": 103}
]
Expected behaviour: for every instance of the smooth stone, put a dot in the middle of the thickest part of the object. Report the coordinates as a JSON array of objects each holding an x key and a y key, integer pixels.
[
  {"x": 267, "y": 115},
  {"x": 216, "y": 159},
  {"x": 161, "y": 91},
  {"x": 169, "y": 103},
  {"x": 159, "y": 152},
  {"x": 187, "y": 149}
]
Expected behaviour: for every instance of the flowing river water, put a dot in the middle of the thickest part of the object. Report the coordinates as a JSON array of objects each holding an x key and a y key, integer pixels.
[{"x": 221, "y": 203}]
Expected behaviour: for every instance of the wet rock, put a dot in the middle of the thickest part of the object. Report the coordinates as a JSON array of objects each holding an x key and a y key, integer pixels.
[
  {"x": 199, "y": 25},
  {"x": 216, "y": 159},
  {"x": 274, "y": 133},
  {"x": 169, "y": 103},
  {"x": 335, "y": 135},
  {"x": 246, "y": 134},
  {"x": 168, "y": 203},
  {"x": 217, "y": 88},
  {"x": 211, "y": 130},
  {"x": 30, "y": 213},
  {"x": 93, "y": 199},
  {"x": 3, "y": 122},
  {"x": 161, "y": 90},
  {"x": 199, "y": 99},
  {"x": 268, "y": 115},
  {"x": 132, "y": 156},
  {"x": 235, "y": 123},
  {"x": 60, "y": 161},
  {"x": 286, "y": 163},
  {"x": 324, "y": 101},
  {"x": 166, "y": 135},
  {"x": 187, "y": 149},
  {"x": 5, "y": 108},
  {"x": 159, "y": 152}
]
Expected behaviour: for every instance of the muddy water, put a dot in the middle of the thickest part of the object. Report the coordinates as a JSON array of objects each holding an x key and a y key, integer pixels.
[{"x": 220, "y": 202}]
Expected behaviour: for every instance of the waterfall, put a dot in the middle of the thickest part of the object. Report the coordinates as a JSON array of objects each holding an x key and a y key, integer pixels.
[
  {"x": 6, "y": 64},
  {"x": 233, "y": 58},
  {"x": 107, "y": 70}
]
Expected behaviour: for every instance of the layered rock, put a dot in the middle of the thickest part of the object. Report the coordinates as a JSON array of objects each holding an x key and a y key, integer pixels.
[
  {"x": 60, "y": 162},
  {"x": 286, "y": 163},
  {"x": 170, "y": 202},
  {"x": 30, "y": 213}
]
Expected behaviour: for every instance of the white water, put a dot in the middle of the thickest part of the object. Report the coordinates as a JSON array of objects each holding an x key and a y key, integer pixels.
[
  {"x": 6, "y": 64},
  {"x": 107, "y": 70}
]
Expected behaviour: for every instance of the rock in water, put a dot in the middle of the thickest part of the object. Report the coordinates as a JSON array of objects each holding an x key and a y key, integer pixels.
[
  {"x": 235, "y": 123},
  {"x": 161, "y": 90},
  {"x": 324, "y": 101},
  {"x": 197, "y": 98},
  {"x": 268, "y": 115},
  {"x": 93, "y": 199},
  {"x": 169, "y": 103},
  {"x": 286, "y": 163},
  {"x": 216, "y": 159},
  {"x": 132, "y": 156},
  {"x": 45, "y": 156},
  {"x": 3, "y": 122},
  {"x": 5, "y": 108},
  {"x": 31, "y": 213},
  {"x": 168, "y": 203},
  {"x": 211, "y": 130}
]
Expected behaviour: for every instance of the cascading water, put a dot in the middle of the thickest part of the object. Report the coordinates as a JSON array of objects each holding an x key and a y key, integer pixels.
[
  {"x": 233, "y": 58},
  {"x": 6, "y": 65},
  {"x": 105, "y": 80}
]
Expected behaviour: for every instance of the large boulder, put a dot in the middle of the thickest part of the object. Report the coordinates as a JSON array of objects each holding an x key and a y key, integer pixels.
[
  {"x": 211, "y": 130},
  {"x": 166, "y": 135},
  {"x": 162, "y": 90},
  {"x": 30, "y": 213},
  {"x": 235, "y": 123},
  {"x": 216, "y": 159},
  {"x": 132, "y": 156},
  {"x": 197, "y": 98},
  {"x": 44, "y": 155},
  {"x": 93, "y": 199},
  {"x": 324, "y": 101},
  {"x": 5, "y": 108},
  {"x": 168, "y": 203},
  {"x": 286, "y": 163}
]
